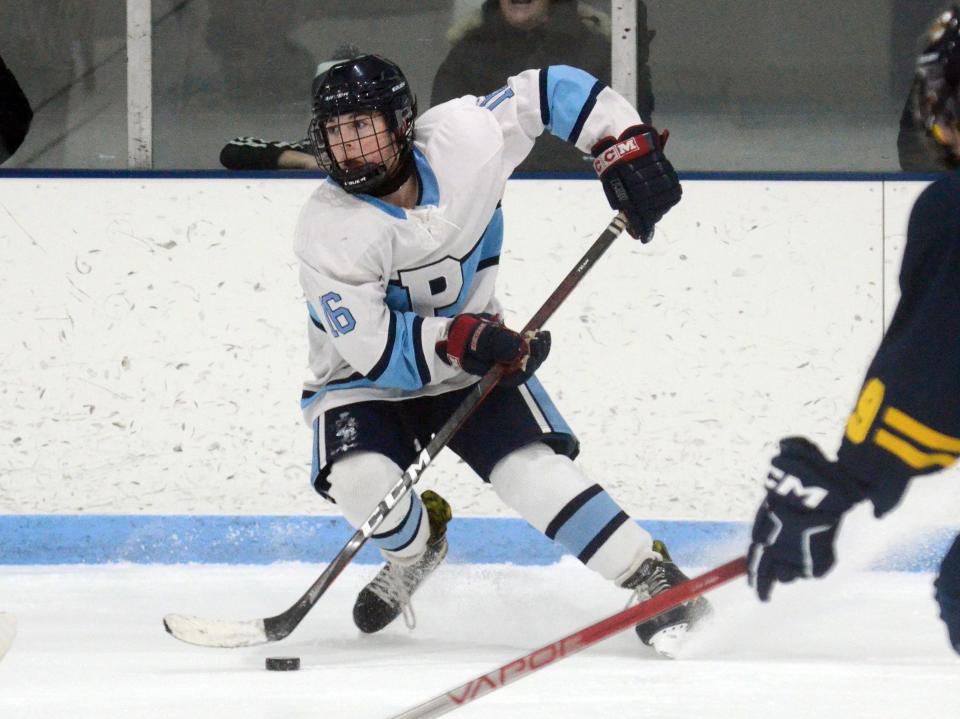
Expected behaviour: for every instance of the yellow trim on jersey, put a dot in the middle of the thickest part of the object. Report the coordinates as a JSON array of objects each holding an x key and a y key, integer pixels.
[
  {"x": 921, "y": 433},
  {"x": 909, "y": 454},
  {"x": 864, "y": 415}
]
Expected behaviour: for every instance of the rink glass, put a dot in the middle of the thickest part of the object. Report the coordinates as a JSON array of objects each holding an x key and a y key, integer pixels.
[{"x": 742, "y": 86}]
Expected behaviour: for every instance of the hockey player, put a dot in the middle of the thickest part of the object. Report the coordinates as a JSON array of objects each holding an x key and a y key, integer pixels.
[
  {"x": 907, "y": 419},
  {"x": 398, "y": 253}
]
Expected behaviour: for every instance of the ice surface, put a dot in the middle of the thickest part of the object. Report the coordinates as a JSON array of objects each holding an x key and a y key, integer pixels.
[{"x": 91, "y": 644}]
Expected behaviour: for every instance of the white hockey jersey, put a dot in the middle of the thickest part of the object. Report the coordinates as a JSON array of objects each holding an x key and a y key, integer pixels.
[{"x": 382, "y": 283}]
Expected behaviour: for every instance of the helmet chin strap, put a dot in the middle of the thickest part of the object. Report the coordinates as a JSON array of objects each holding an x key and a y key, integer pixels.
[{"x": 393, "y": 183}]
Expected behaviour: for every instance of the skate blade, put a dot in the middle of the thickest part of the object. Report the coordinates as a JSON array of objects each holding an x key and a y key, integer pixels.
[{"x": 669, "y": 640}]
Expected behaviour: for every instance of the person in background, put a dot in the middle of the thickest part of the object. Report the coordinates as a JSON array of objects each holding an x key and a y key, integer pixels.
[
  {"x": 916, "y": 150},
  {"x": 505, "y": 37},
  {"x": 15, "y": 113},
  {"x": 907, "y": 418},
  {"x": 50, "y": 46}
]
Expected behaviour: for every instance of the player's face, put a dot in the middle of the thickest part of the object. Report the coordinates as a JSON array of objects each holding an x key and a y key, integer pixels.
[
  {"x": 360, "y": 138},
  {"x": 525, "y": 14}
]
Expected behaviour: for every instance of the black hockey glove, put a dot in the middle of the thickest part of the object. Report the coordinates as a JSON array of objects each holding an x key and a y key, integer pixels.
[
  {"x": 250, "y": 153},
  {"x": 637, "y": 178},
  {"x": 795, "y": 527},
  {"x": 477, "y": 342}
]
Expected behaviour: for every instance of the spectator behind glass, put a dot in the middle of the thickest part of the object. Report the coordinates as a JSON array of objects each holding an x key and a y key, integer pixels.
[
  {"x": 48, "y": 43},
  {"x": 15, "y": 113},
  {"x": 916, "y": 150},
  {"x": 505, "y": 37}
]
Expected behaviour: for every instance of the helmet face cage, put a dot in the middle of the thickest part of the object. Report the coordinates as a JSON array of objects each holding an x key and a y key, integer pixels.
[
  {"x": 937, "y": 79},
  {"x": 353, "y": 98}
]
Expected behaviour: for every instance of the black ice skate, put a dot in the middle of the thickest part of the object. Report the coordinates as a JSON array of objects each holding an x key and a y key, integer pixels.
[
  {"x": 388, "y": 595},
  {"x": 665, "y": 632}
]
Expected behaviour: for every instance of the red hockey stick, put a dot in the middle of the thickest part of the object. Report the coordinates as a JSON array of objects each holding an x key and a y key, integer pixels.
[{"x": 563, "y": 648}]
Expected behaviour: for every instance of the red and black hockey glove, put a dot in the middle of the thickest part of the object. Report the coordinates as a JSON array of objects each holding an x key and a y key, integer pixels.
[
  {"x": 637, "y": 178},
  {"x": 476, "y": 342},
  {"x": 794, "y": 530}
]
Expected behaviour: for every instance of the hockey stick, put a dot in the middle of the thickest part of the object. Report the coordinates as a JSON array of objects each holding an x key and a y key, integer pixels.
[
  {"x": 8, "y": 630},
  {"x": 225, "y": 633},
  {"x": 563, "y": 648}
]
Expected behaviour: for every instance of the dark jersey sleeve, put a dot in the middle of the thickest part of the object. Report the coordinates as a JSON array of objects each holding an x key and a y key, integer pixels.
[
  {"x": 251, "y": 153},
  {"x": 907, "y": 418},
  {"x": 15, "y": 113}
]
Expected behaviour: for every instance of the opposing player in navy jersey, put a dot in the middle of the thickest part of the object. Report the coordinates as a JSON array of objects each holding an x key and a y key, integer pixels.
[
  {"x": 907, "y": 419},
  {"x": 399, "y": 250}
]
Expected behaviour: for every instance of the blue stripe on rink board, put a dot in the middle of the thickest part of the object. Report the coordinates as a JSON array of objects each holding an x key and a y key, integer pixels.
[{"x": 175, "y": 539}]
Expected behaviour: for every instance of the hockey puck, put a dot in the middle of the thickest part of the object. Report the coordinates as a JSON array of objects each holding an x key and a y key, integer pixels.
[{"x": 283, "y": 664}]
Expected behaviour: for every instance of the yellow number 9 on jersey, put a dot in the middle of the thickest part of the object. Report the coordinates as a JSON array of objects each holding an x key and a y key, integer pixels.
[{"x": 868, "y": 405}]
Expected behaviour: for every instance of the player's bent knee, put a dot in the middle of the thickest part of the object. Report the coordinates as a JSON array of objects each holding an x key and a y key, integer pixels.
[
  {"x": 359, "y": 480},
  {"x": 537, "y": 482}
]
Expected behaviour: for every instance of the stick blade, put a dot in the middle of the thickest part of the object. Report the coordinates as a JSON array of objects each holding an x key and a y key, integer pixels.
[{"x": 216, "y": 632}]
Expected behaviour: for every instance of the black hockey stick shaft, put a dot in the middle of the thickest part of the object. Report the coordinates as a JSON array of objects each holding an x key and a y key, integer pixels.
[
  {"x": 271, "y": 629},
  {"x": 281, "y": 625},
  {"x": 573, "y": 643}
]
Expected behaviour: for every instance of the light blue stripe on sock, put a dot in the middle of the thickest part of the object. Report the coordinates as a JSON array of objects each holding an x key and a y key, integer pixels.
[
  {"x": 587, "y": 522},
  {"x": 401, "y": 536}
]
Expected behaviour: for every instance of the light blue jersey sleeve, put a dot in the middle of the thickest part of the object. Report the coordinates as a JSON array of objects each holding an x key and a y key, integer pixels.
[{"x": 566, "y": 101}]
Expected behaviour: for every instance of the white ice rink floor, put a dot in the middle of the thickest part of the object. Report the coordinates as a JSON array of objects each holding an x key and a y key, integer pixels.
[{"x": 91, "y": 644}]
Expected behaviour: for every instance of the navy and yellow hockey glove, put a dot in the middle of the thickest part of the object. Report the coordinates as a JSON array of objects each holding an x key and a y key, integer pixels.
[
  {"x": 795, "y": 527},
  {"x": 637, "y": 177}
]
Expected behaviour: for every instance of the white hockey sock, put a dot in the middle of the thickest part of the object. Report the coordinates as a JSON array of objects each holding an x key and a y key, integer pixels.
[
  {"x": 358, "y": 481},
  {"x": 550, "y": 492}
]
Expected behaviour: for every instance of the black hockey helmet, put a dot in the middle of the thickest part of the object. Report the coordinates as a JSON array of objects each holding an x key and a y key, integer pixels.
[
  {"x": 365, "y": 84},
  {"x": 937, "y": 80}
]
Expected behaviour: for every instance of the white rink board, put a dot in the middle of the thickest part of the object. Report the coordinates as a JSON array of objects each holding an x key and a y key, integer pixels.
[
  {"x": 155, "y": 340},
  {"x": 898, "y": 200}
]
